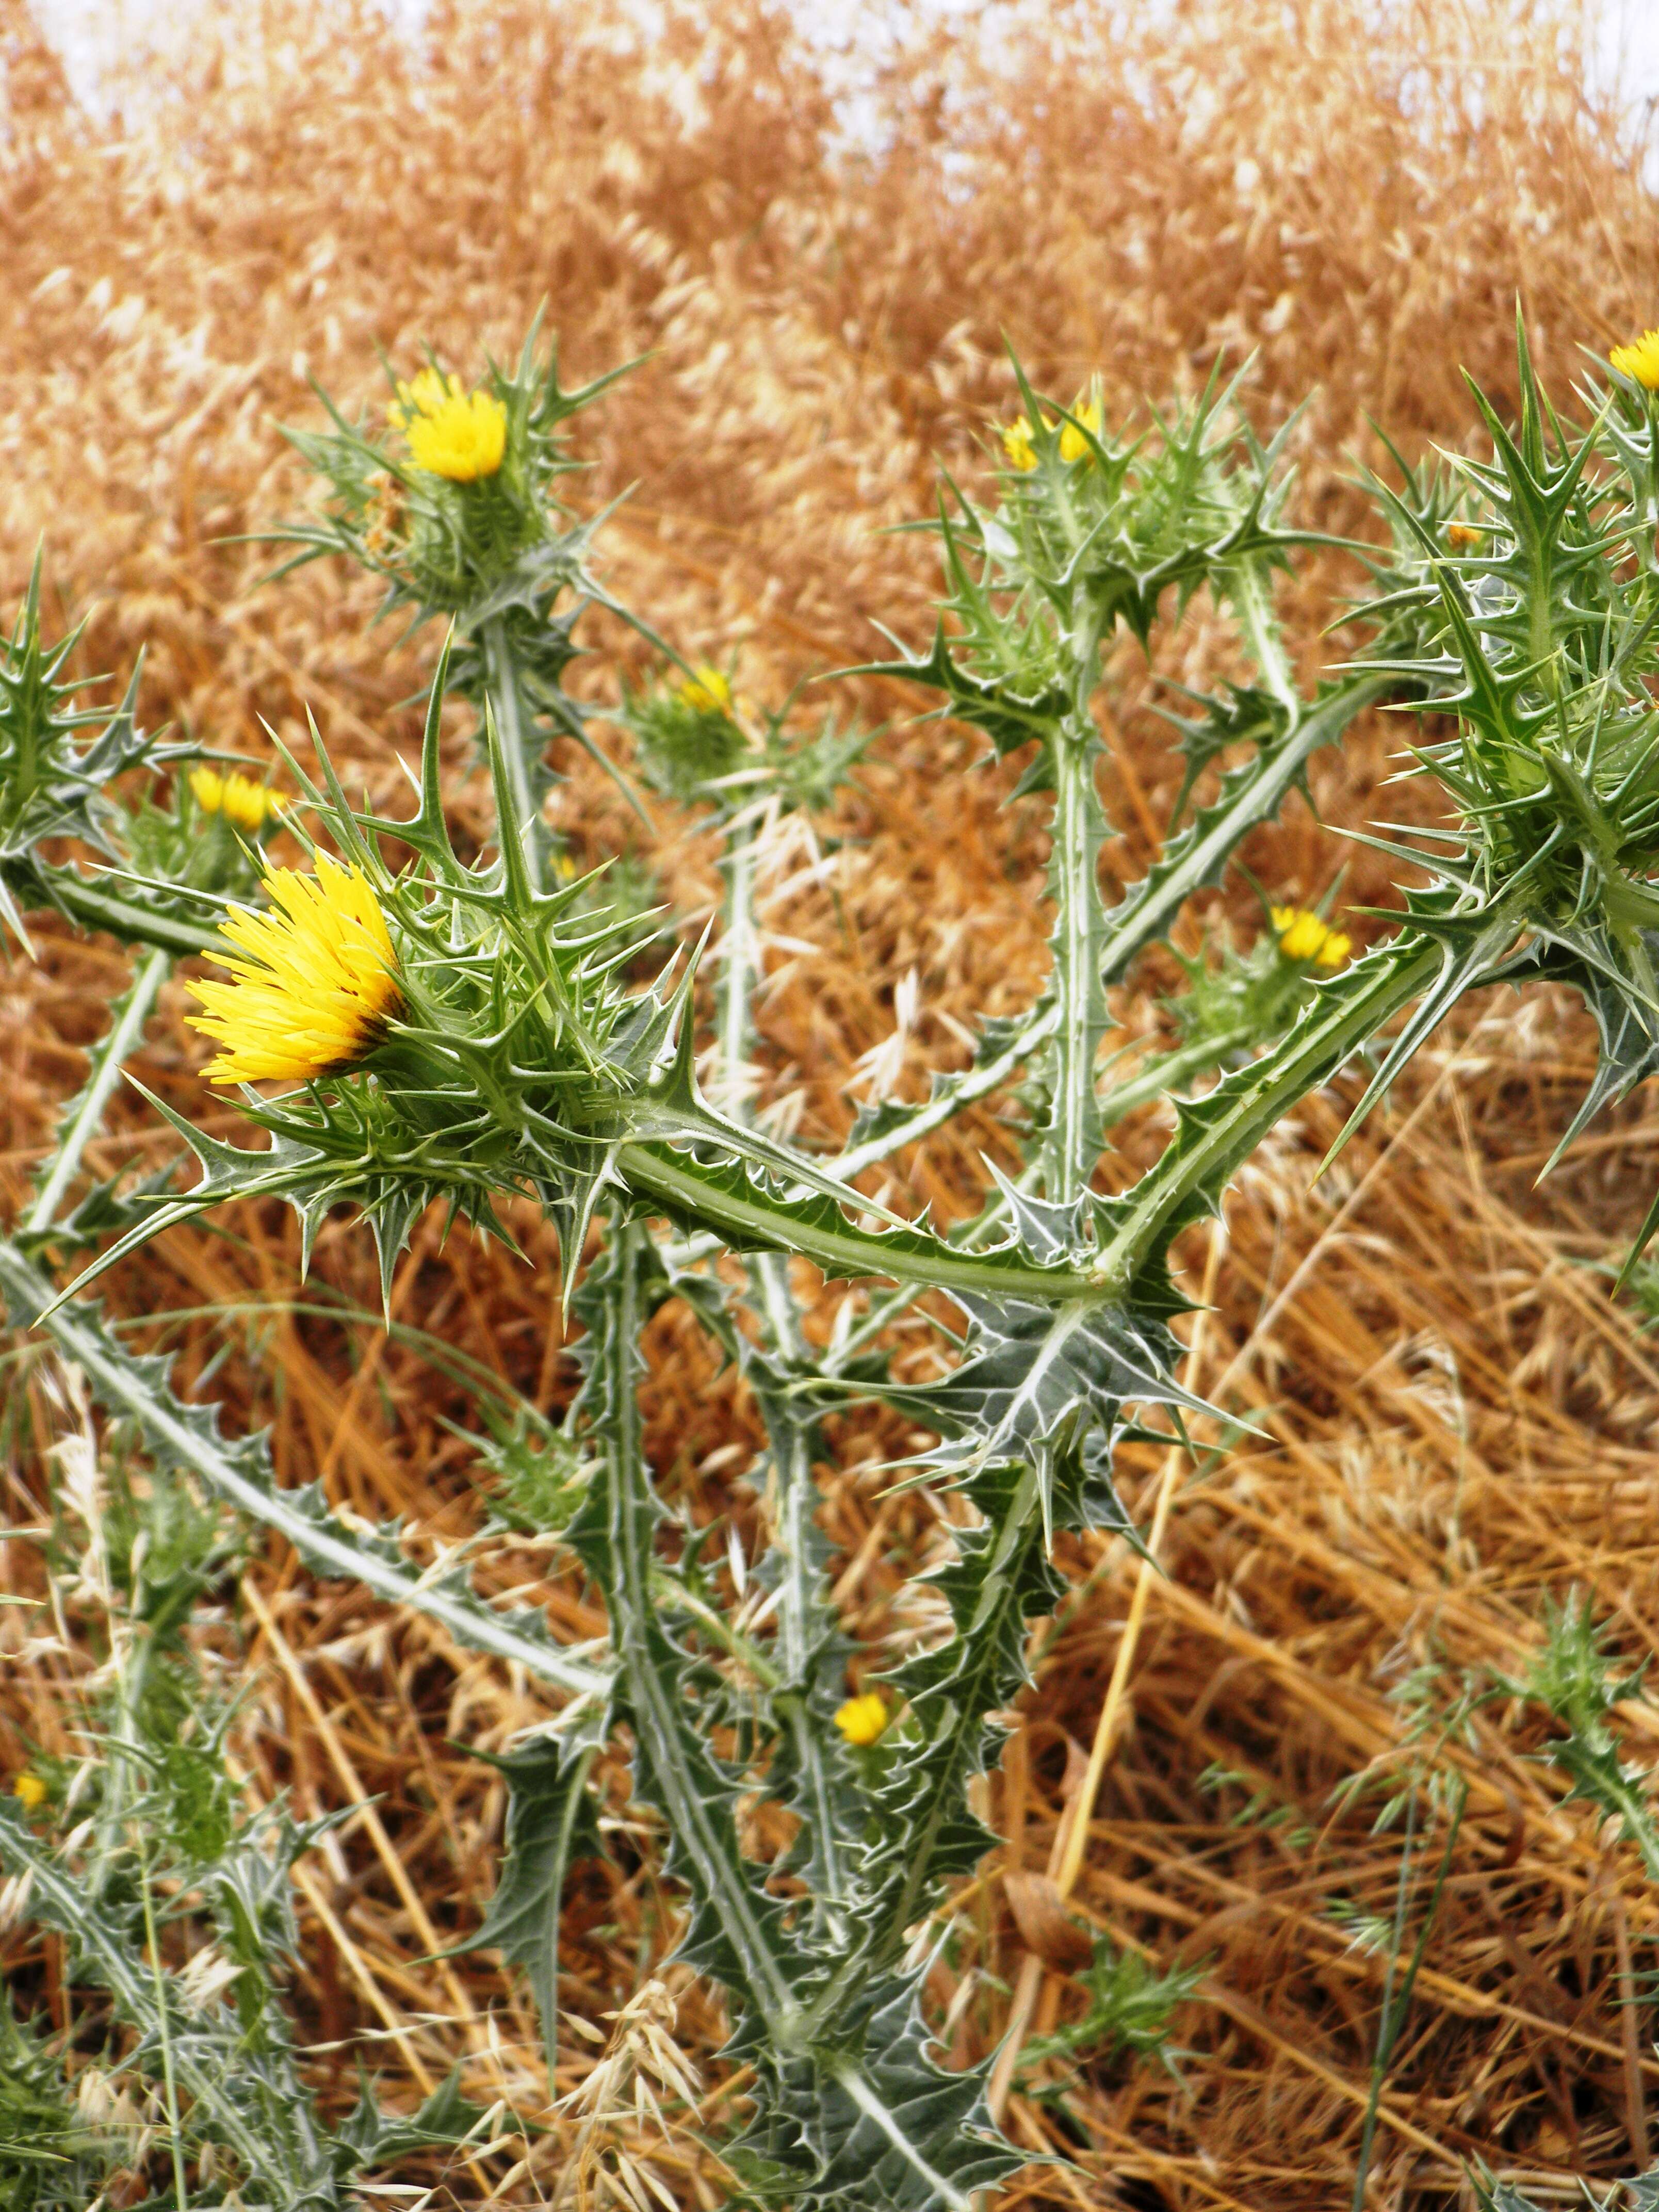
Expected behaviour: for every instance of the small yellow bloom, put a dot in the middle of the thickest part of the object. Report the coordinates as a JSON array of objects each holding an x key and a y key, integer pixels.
[
  {"x": 314, "y": 980},
  {"x": 1462, "y": 538},
  {"x": 1305, "y": 938},
  {"x": 706, "y": 691},
  {"x": 1017, "y": 444},
  {"x": 863, "y": 1720},
  {"x": 30, "y": 1791},
  {"x": 425, "y": 393},
  {"x": 1074, "y": 446},
  {"x": 451, "y": 432},
  {"x": 1639, "y": 361},
  {"x": 243, "y": 803},
  {"x": 1017, "y": 435}
]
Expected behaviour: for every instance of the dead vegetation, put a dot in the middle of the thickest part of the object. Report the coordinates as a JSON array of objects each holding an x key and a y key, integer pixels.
[{"x": 1452, "y": 1420}]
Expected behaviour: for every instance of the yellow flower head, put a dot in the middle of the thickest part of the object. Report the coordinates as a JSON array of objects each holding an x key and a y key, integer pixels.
[
  {"x": 1639, "y": 361},
  {"x": 1074, "y": 446},
  {"x": 1017, "y": 444},
  {"x": 1463, "y": 538},
  {"x": 1303, "y": 936},
  {"x": 863, "y": 1720},
  {"x": 706, "y": 691},
  {"x": 1017, "y": 435},
  {"x": 315, "y": 980},
  {"x": 451, "y": 432},
  {"x": 426, "y": 391},
  {"x": 30, "y": 1791},
  {"x": 243, "y": 803}
]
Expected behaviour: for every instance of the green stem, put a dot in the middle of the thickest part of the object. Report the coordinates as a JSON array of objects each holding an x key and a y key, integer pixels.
[
  {"x": 1241, "y": 1111},
  {"x": 125, "y": 1388},
  {"x": 746, "y": 1221},
  {"x": 649, "y": 1684},
  {"x": 1167, "y": 1071},
  {"x": 800, "y": 1595},
  {"x": 164, "y": 2014},
  {"x": 1070, "y": 1147},
  {"x": 505, "y": 699},
  {"x": 97, "y": 909},
  {"x": 737, "y": 967},
  {"x": 108, "y": 1064},
  {"x": 1147, "y": 912}
]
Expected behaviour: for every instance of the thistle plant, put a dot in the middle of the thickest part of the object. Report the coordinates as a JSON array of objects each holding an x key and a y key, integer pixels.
[
  {"x": 467, "y": 1033},
  {"x": 171, "y": 1892}
]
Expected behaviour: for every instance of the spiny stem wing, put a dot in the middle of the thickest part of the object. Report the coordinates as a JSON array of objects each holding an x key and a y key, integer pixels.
[{"x": 241, "y": 1472}]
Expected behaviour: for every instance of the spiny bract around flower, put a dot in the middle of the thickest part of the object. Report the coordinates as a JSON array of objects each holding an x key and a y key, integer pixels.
[
  {"x": 451, "y": 432},
  {"x": 243, "y": 803},
  {"x": 315, "y": 981},
  {"x": 1639, "y": 361}
]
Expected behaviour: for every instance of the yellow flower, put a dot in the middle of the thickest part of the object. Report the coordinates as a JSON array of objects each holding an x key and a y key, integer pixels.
[
  {"x": 1303, "y": 936},
  {"x": 30, "y": 1791},
  {"x": 424, "y": 394},
  {"x": 706, "y": 691},
  {"x": 315, "y": 981},
  {"x": 1462, "y": 538},
  {"x": 451, "y": 432},
  {"x": 863, "y": 1720},
  {"x": 243, "y": 803},
  {"x": 1017, "y": 444},
  {"x": 1074, "y": 446},
  {"x": 1640, "y": 361},
  {"x": 1017, "y": 435}
]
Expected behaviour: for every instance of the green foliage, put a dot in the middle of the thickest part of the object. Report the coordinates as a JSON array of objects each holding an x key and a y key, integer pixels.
[
  {"x": 174, "y": 1901},
  {"x": 688, "y": 741},
  {"x": 50, "y": 2159},
  {"x": 1131, "y": 2008},
  {"x": 522, "y": 1061},
  {"x": 487, "y": 553},
  {"x": 1639, "y": 2195},
  {"x": 1573, "y": 1678}
]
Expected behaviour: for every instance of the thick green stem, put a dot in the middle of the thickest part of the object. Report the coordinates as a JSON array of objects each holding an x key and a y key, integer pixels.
[
  {"x": 649, "y": 1686},
  {"x": 97, "y": 909},
  {"x": 508, "y": 706},
  {"x": 108, "y": 1061},
  {"x": 1147, "y": 912},
  {"x": 1242, "y": 1112},
  {"x": 1169, "y": 1071},
  {"x": 746, "y": 1220},
  {"x": 1072, "y": 1145}
]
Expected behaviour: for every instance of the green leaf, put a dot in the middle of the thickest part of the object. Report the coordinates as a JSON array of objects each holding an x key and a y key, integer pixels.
[{"x": 550, "y": 1820}]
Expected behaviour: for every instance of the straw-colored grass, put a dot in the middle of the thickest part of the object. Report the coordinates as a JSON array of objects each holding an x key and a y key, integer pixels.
[{"x": 1453, "y": 1419}]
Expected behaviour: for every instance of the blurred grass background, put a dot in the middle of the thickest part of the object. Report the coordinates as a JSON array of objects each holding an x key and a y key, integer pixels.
[{"x": 1455, "y": 1420}]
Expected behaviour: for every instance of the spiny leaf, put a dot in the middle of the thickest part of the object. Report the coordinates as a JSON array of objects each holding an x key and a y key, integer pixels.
[{"x": 241, "y": 1473}]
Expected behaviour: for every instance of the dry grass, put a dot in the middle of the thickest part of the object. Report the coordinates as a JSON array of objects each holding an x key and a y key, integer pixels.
[{"x": 1454, "y": 1420}]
